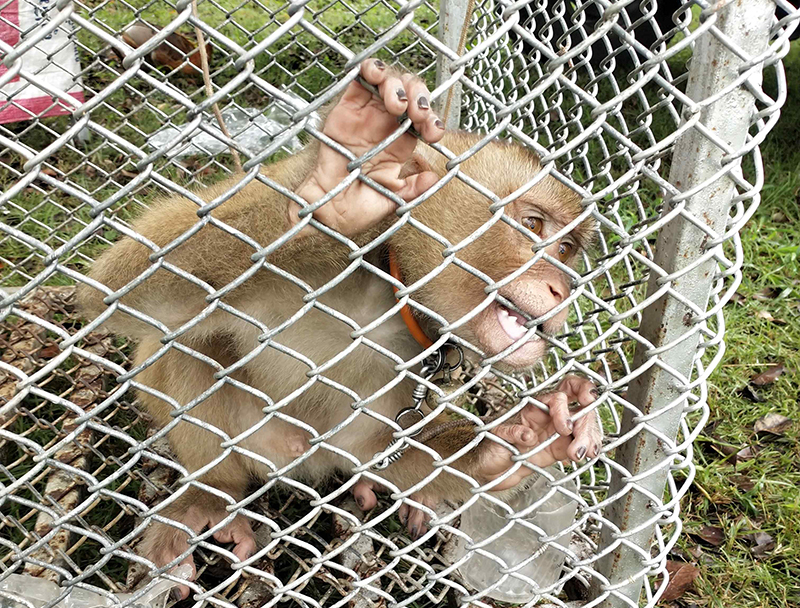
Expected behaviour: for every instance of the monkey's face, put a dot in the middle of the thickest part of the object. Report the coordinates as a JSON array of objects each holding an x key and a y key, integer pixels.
[
  {"x": 534, "y": 298},
  {"x": 530, "y": 279},
  {"x": 524, "y": 257}
]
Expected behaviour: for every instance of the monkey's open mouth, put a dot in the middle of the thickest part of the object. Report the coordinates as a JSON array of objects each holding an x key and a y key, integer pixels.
[{"x": 512, "y": 322}]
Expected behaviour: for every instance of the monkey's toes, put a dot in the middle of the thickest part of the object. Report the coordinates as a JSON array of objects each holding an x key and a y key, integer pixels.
[
  {"x": 364, "y": 495},
  {"x": 415, "y": 519},
  {"x": 241, "y": 534}
]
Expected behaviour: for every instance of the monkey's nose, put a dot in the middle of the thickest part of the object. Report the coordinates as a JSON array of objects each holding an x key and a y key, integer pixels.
[{"x": 559, "y": 291}]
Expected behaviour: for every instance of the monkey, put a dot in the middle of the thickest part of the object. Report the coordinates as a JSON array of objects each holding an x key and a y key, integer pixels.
[{"x": 269, "y": 350}]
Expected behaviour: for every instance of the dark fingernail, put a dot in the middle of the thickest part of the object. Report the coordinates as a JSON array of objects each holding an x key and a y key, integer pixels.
[
  {"x": 401, "y": 94},
  {"x": 581, "y": 452},
  {"x": 570, "y": 424},
  {"x": 422, "y": 102},
  {"x": 380, "y": 65},
  {"x": 595, "y": 392},
  {"x": 402, "y": 517},
  {"x": 175, "y": 594},
  {"x": 595, "y": 451},
  {"x": 439, "y": 124},
  {"x": 360, "y": 502},
  {"x": 414, "y": 532}
]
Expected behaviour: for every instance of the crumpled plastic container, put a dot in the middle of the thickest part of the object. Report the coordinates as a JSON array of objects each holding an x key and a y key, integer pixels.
[
  {"x": 252, "y": 128},
  {"x": 39, "y": 592},
  {"x": 484, "y": 519}
]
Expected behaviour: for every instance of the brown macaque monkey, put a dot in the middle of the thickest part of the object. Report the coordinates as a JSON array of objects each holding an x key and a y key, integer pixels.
[{"x": 259, "y": 365}]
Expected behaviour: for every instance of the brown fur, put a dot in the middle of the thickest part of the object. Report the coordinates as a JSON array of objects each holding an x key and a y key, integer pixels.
[{"x": 217, "y": 258}]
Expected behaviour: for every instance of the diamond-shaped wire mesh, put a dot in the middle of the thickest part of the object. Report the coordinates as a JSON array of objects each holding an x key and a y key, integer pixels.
[{"x": 651, "y": 112}]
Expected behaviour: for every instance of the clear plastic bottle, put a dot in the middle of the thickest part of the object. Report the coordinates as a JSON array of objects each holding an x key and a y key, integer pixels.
[
  {"x": 38, "y": 592},
  {"x": 518, "y": 543}
]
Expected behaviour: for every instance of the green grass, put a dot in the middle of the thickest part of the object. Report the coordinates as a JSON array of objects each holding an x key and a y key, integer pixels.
[{"x": 731, "y": 576}]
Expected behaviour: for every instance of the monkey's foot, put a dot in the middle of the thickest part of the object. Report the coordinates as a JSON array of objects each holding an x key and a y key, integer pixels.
[
  {"x": 414, "y": 519},
  {"x": 163, "y": 543}
]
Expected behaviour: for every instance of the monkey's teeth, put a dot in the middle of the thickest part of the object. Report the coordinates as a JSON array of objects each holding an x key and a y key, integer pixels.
[{"x": 511, "y": 322}]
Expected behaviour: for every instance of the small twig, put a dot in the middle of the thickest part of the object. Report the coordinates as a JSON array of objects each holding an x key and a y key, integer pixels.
[{"x": 201, "y": 46}]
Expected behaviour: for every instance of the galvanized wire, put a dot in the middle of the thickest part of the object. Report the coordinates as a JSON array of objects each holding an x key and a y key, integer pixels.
[{"x": 597, "y": 89}]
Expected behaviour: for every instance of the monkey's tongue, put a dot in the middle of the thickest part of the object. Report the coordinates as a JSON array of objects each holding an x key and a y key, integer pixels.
[{"x": 511, "y": 322}]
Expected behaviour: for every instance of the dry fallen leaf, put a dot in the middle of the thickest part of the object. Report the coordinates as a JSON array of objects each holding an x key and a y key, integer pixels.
[
  {"x": 49, "y": 351},
  {"x": 750, "y": 393},
  {"x": 743, "y": 482},
  {"x": 681, "y": 577},
  {"x": 769, "y": 375},
  {"x": 764, "y": 314},
  {"x": 171, "y": 53},
  {"x": 763, "y": 543},
  {"x": 712, "y": 535},
  {"x": 766, "y": 294},
  {"x": 738, "y": 298},
  {"x": 776, "y": 424},
  {"x": 745, "y": 453}
]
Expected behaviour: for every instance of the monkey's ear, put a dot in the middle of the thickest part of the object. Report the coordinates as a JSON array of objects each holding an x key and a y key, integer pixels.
[{"x": 414, "y": 165}]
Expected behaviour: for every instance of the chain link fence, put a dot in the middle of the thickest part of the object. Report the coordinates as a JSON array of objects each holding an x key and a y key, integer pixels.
[{"x": 652, "y": 112}]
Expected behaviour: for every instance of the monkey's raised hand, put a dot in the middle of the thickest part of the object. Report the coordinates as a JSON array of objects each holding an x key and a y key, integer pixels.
[
  {"x": 579, "y": 436},
  {"x": 361, "y": 121}
]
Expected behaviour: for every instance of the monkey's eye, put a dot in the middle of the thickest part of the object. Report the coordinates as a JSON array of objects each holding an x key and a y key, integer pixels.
[
  {"x": 534, "y": 224},
  {"x": 565, "y": 249}
]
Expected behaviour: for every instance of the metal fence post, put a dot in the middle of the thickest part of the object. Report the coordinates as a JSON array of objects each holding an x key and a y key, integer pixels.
[
  {"x": 452, "y": 30},
  {"x": 704, "y": 160}
]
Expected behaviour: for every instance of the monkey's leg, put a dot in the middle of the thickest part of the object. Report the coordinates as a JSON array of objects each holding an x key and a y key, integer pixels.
[{"x": 182, "y": 378}]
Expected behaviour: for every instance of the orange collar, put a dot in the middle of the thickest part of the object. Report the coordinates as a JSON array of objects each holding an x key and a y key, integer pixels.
[{"x": 405, "y": 312}]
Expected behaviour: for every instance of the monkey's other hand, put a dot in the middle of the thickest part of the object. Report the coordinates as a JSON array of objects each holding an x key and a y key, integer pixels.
[
  {"x": 359, "y": 122},
  {"x": 579, "y": 433}
]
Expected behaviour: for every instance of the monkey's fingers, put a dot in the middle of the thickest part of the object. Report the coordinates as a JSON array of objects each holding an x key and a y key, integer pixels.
[
  {"x": 578, "y": 389},
  {"x": 425, "y": 120},
  {"x": 519, "y": 435},
  {"x": 588, "y": 438},
  {"x": 432, "y": 130},
  {"x": 173, "y": 544},
  {"x": 415, "y": 519},
  {"x": 496, "y": 458},
  {"x": 389, "y": 84},
  {"x": 415, "y": 185},
  {"x": 181, "y": 592},
  {"x": 404, "y": 94},
  {"x": 559, "y": 414}
]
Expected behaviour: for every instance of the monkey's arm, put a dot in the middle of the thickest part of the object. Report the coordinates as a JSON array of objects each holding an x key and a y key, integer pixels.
[
  {"x": 221, "y": 250},
  {"x": 577, "y": 435}
]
